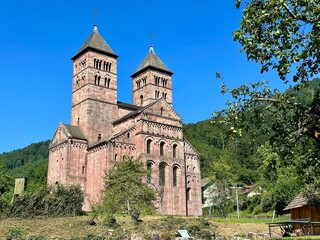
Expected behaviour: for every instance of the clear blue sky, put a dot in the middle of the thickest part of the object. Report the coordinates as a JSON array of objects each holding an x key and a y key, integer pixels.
[{"x": 38, "y": 38}]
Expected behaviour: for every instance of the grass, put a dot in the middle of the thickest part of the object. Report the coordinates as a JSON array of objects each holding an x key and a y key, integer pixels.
[{"x": 165, "y": 226}]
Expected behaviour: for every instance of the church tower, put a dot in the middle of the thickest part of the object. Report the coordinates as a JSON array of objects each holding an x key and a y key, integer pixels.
[
  {"x": 94, "y": 88},
  {"x": 151, "y": 81}
]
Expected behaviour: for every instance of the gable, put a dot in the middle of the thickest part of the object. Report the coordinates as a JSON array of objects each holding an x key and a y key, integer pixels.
[
  {"x": 162, "y": 109},
  {"x": 189, "y": 149},
  {"x": 60, "y": 135},
  {"x": 65, "y": 132}
]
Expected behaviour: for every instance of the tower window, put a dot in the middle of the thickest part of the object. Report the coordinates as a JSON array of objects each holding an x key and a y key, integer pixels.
[
  {"x": 161, "y": 111},
  {"x": 107, "y": 82},
  {"x": 157, "y": 94},
  {"x": 141, "y": 100},
  {"x": 83, "y": 169},
  {"x": 97, "y": 80},
  {"x": 99, "y": 137},
  {"x": 116, "y": 157},
  {"x": 162, "y": 174},
  {"x": 162, "y": 148}
]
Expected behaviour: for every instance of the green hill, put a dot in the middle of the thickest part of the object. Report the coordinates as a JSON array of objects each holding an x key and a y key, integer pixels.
[{"x": 30, "y": 162}]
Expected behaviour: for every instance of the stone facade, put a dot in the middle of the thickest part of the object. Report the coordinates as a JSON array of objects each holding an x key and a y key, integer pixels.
[{"x": 104, "y": 131}]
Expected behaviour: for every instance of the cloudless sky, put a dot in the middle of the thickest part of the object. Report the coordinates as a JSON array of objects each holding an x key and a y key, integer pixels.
[{"x": 38, "y": 38}]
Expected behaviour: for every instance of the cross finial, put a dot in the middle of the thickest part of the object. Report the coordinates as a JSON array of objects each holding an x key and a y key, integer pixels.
[
  {"x": 151, "y": 36},
  {"x": 95, "y": 14}
]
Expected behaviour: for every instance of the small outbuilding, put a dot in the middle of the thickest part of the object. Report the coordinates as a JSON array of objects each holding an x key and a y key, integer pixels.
[
  {"x": 300, "y": 209},
  {"x": 305, "y": 218}
]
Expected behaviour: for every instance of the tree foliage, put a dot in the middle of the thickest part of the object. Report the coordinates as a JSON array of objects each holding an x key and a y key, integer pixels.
[
  {"x": 125, "y": 192},
  {"x": 49, "y": 202},
  {"x": 282, "y": 35}
]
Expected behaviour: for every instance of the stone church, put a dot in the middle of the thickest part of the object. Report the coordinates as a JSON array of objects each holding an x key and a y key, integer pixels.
[{"x": 104, "y": 131}]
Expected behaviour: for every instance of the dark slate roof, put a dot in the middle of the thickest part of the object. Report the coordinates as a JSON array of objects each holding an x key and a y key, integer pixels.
[
  {"x": 152, "y": 61},
  {"x": 134, "y": 113},
  {"x": 297, "y": 202},
  {"x": 97, "y": 43},
  {"x": 128, "y": 106},
  {"x": 74, "y": 132}
]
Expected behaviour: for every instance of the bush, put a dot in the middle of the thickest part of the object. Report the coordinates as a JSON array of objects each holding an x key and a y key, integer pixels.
[
  {"x": 17, "y": 234},
  {"x": 49, "y": 202},
  {"x": 110, "y": 221}
]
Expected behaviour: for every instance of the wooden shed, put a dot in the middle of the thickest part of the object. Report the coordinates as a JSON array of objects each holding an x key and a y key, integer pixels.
[{"x": 301, "y": 210}]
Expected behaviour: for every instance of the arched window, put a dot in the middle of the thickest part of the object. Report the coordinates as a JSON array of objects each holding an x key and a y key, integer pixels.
[
  {"x": 141, "y": 100},
  {"x": 149, "y": 174},
  {"x": 161, "y": 111},
  {"x": 116, "y": 157},
  {"x": 162, "y": 148},
  {"x": 110, "y": 67},
  {"x": 188, "y": 194},
  {"x": 97, "y": 80},
  {"x": 174, "y": 150},
  {"x": 149, "y": 146},
  {"x": 175, "y": 175},
  {"x": 162, "y": 174}
]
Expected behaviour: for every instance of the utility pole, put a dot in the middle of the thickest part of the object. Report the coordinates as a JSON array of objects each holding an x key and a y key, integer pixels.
[{"x": 237, "y": 199}]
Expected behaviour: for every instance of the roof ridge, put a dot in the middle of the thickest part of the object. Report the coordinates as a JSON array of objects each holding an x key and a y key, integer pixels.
[
  {"x": 152, "y": 61},
  {"x": 95, "y": 41}
]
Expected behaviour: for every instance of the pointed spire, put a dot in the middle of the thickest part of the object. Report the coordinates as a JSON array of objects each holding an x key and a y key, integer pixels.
[
  {"x": 97, "y": 43},
  {"x": 152, "y": 61}
]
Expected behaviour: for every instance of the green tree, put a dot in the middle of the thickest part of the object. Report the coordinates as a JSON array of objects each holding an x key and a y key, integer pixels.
[
  {"x": 125, "y": 191},
  {"x": 282, "y": 34},
  {"x": 5, "y": 180}
]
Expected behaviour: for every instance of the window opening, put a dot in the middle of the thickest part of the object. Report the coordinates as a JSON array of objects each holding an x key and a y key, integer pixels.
[
  {"x": 149, "y": 168},
  {"x": 174, "y": 177},
  {"x": 162, "y": 148},
  {"x": 149, "y": 146},
  {"x": 162, "y": 177},
  {"x": 188, "y": 194},
  {"x": 174, "y": 151}
]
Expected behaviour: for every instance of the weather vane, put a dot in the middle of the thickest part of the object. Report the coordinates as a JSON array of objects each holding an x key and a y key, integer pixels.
[{"x": 95, "y": 14}]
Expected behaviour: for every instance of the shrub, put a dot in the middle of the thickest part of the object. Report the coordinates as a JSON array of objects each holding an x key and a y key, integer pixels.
[
  {"x": 17, "y": 234},
  {"x": 49, "y": 202}
]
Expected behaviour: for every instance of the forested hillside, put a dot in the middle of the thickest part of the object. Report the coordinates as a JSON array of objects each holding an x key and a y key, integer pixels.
[
  {"x": 244, "y": 151},
  {"x": 272, "y": 143},
  {"x": 30, "y": 162}
]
